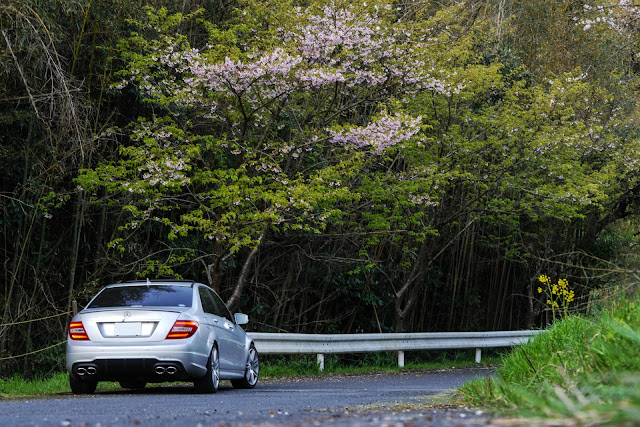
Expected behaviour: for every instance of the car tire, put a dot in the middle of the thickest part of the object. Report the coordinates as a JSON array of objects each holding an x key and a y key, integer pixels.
[
  {"x": 252, "y": 371},
  {"x": 79, "y": 386},
  {"x": 211, "y": 381},
  {"x": 133, "y": 384}
]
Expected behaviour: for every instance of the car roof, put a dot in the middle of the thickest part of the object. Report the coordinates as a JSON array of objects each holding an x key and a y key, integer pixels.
[{"x": 172, "y": 282}]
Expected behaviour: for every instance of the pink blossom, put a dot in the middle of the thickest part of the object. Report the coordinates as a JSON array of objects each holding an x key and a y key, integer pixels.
[{"x": 387, "y": 131}]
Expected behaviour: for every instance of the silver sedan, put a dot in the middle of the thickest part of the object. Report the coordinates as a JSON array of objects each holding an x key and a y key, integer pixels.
[{"x": 156, "y": 331}]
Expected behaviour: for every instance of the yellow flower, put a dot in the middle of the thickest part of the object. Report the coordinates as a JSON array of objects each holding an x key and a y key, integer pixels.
[{"x": 539, "y": 290}]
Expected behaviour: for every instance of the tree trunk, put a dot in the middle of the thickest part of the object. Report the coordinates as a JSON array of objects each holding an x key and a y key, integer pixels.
[
  {"x": 244, "y": 273},
  {"x": 77, "y": 231}
]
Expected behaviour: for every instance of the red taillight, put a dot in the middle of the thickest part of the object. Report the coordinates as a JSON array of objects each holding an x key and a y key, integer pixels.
[
  {"x": 182, "y": 329},
  {"x": 77, "y": 332}
]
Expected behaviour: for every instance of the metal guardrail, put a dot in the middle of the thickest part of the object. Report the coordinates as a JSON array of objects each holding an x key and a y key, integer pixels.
[{"x": 321, "y": 344}]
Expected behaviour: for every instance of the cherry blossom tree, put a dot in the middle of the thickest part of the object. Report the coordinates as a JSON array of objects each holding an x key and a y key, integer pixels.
[{"x": 264, "y": 139}]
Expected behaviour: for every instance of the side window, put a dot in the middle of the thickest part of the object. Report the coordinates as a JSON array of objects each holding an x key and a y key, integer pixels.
[
  {"x": 208, "y": 305},
  {"x": 224, "y": 312}
]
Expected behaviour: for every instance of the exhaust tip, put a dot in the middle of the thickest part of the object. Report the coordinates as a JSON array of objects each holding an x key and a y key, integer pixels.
[
  {"x": 81, "y": 371},
  {"x": 171, "y": 370},
  {"x": 91, "y": 370},
  {"x": 159, "y": 370}
]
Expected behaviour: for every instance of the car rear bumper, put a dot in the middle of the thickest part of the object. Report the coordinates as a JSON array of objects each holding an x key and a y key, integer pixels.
[
  {"x": 151, "y": 370},
  {"x": 154, "y": 363}
]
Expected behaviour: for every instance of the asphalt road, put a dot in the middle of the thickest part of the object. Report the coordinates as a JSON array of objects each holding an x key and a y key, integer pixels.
[{"x": 374, "y": 399}]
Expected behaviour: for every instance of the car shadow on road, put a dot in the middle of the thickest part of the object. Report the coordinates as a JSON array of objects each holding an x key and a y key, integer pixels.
[{"x": 173, "y": 388}]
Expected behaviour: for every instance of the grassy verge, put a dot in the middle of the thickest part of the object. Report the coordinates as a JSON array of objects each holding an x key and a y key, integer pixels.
[
  {"x": 584, "y": 369},
  {"x": 54, "y": 384},
  {"x": 274, "y": 366}
]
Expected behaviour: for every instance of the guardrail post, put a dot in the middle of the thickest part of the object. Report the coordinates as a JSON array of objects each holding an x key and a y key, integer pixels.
[
  {"x": 401, "y": 359},
  {"x": 478, "y": 355},
  {"x": 321, "y": 362}
]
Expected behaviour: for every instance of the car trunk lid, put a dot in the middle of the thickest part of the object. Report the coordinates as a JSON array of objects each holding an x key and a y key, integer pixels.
[{"x": 129, "y": 324}]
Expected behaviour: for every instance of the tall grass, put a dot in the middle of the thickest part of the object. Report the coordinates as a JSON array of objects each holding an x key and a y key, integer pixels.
[{"x": 583, "y": 368}]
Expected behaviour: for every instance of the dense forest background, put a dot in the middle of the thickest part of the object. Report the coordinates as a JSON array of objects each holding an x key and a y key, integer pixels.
[{"x": 327, "y": 166}]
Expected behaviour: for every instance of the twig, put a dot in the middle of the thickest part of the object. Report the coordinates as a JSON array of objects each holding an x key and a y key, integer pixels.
[{"x": 24, "y": 80}]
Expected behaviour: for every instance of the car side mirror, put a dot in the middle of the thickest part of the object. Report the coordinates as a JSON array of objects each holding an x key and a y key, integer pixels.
[{"x": 241, "y": 319}]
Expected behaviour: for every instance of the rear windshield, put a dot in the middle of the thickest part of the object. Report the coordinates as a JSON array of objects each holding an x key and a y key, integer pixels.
[{"x": 143, "y": 296}]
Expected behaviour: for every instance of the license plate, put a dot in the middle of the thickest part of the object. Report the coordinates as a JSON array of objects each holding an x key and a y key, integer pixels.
[{"x": 128, "y": 329}]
